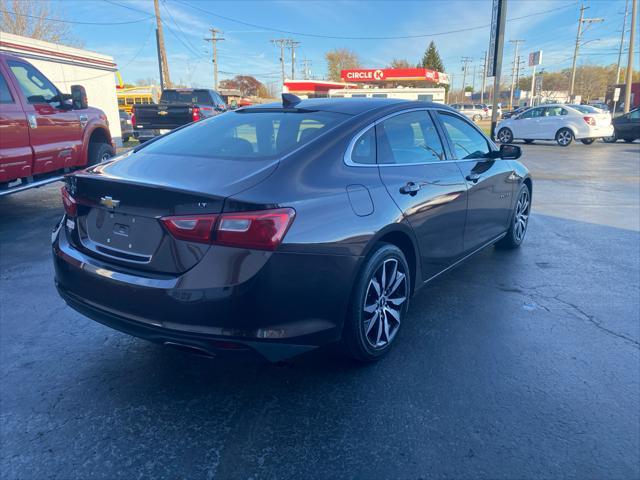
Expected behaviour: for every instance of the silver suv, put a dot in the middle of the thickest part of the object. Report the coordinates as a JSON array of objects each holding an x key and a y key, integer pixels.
[{"x": 475, "y": 112}]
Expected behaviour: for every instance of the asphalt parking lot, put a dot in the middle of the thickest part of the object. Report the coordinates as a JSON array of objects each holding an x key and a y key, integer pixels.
[{"x": 521, "y": 364}]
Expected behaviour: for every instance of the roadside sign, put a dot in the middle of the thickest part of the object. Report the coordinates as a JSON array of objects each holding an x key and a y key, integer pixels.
[
  {"x": 495, "y": 39},
  {"x": 535, "y": 58},
  {"x": 616, "y": 94}
]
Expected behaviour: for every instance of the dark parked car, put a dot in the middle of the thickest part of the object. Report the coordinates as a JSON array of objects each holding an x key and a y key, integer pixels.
[
  {"x": 626, "y": 127},
  {"x": 282, "y": 227},
  {"x": 514, "y": 113},
  {"x": 125, "y": 126}
]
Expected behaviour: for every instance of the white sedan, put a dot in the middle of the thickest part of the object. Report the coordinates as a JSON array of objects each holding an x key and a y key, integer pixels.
[{"x": 561, "y": 123}]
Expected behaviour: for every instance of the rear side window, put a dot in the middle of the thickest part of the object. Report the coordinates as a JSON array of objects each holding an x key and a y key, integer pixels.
[
  {"x": 409, "y": 138},
  {"x": 364, "y": 149},
  {"x": 34, "y": 85},
  {"x": 5, "y": 94},
  {"x": 466, "y": 140},
  {"x": 247, "y": 135},
  {"x": 554, "y": 111}
]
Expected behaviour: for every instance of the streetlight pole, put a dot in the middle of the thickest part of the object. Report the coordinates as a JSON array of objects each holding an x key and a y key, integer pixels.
[{"x": 629, "y": 72}]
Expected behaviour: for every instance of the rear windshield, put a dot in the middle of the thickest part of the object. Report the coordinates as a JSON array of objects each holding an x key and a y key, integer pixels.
[
  {"x": 247, "y": 135},
  {"x": 194, "y": 96},
  {"x": 585, "y": 108}
]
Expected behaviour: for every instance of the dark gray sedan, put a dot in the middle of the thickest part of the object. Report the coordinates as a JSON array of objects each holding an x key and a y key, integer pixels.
[{"x": 279, "y": 228}]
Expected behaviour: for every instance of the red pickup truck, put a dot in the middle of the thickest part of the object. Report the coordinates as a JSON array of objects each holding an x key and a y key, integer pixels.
[{"x": 45, "y": 133}]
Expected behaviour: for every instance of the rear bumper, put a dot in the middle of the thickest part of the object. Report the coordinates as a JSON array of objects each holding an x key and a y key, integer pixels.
[
  {"x": 149, "y": 133},
  {"x": 595, "y": 132},
  {"x": 282, "y": 305}
]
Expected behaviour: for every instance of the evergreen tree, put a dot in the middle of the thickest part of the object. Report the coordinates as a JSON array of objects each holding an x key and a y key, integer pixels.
[{"x": 431, "y": 58}]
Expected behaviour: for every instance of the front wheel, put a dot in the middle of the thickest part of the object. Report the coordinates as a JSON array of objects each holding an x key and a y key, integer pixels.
[
  {"x": 378, "y": 305},
  {"x": 612, "y": 139},
  {"x": 519, "y": 222},
  {"x": 477, "y": 118},
  {"x": 629, "y": 140},
  {"x": 505, "y": 135},
  {"x": 564, "y": 137},
  {"x": 588, "y": 141},
  {"x": 99, "y": 152}
]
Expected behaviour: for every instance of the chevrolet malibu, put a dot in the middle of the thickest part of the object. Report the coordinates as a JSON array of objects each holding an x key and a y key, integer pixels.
[{"x": 280, "y": 228}]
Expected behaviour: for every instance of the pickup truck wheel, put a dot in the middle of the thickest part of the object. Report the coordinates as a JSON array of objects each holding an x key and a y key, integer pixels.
[{"x": 99, "y": 152}]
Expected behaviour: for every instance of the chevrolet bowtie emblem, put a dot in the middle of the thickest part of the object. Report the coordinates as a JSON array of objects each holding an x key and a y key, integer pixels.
[
  {"x": 162, "y": 112},
  {"x": 109, "y": 202}
]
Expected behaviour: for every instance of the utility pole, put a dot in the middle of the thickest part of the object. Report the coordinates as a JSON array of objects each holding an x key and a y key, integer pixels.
[
  {"x": 624, "y": 27},
  {"x": 214, "y": 41},
  {"x": 292, "y": 44},
  {"x": 494, "y": 64},
  {"x": 581, "y": 20},
  {"x": 629, "y": 72},
  {"x": 164, "y": 65},
  {"x": 465, "y": 65},
  {"x": 281, "y": 42},
  {"x": 513, "y": 70},
  {"x": 473, "y": 80},
  {"x": 484, "y": 77},
  {"x": 307, "y": 71}
]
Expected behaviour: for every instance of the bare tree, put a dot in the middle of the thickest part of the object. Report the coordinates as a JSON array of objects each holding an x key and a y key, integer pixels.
[
  {"x": 35, "y": 19},
  {"x": 340, "y": 59},
  {"x": 400, "y": 63}
]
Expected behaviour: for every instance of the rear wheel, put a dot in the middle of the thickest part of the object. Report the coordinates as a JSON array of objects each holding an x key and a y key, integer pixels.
[
  {"x": 505, "y": 135},
  {"x": 519, "y": 222},
  {"x": 588, "y": 141},
  {"x": 378, "y": 305},
  {"x": 564, "y": 137},
  {"x": 99, "y": 152},
  {"x": 477, "y": 118},
  {"x": 528, "y": 141}
]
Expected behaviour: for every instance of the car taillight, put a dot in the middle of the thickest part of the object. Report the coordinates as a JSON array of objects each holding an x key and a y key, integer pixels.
[
  {"x": 193, "y": 228},
  {"x": 70, "y": 205},
  {"x": 590, "y": 121},
  {"x": 260, "y": 230},
  {"x": 133, "y": 118},
  {"x": 195, "y": 114}
]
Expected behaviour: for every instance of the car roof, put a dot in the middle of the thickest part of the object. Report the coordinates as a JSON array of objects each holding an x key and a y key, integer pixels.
[{"x": 352, "y": 106}]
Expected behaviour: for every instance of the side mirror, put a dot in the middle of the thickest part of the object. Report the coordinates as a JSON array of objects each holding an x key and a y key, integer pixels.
[
  {"x": 79, "y": 97},
  {"x": 510, "y": 152}
]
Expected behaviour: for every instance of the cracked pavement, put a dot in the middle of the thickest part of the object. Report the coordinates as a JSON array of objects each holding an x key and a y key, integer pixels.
[{"x": 522, "y": 364}]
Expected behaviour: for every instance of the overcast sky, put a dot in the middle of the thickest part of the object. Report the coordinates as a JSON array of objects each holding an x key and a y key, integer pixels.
[{"x": 249, "y": 26}]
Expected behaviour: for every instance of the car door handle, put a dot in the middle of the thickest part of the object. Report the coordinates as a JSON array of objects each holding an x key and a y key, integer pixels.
[
  {"x": 411, "y": 188},
  {"x": 473, "y": 177}
]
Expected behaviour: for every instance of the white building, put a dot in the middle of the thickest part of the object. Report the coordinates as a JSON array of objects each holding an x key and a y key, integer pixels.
[
  {"x": 436, "y": 94},
  {"x": 66, "y": 66}
]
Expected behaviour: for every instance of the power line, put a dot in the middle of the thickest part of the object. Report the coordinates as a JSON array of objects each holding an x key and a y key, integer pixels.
[
  {"x": 402, "y": 37},
  {"x": 76, "y": 22}
]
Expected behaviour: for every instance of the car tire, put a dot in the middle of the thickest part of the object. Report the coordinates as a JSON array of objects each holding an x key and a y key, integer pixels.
[
  {"x": 477, "y": 118},
  {"x": 519, "y": 221},
  {"x": 370, "y": 327},
  {"x": 588, "y": 141},
  {"x": 612, "y": 139},
  {"x": 99, "y": 152},
  {"x": 125, "y": 139},
  {"x": 629, "y": 140},
  {"x": 564, "y": 137},
  {"x": 528, "y": 141},
  {"x": 505, "y": 135}
]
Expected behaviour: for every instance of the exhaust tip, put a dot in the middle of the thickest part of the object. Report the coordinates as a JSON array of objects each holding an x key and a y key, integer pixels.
[{"x": 193, "y": 350}]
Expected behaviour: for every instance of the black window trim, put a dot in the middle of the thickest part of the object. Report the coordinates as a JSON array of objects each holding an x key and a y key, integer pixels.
[{"x": 13, "y": 100}]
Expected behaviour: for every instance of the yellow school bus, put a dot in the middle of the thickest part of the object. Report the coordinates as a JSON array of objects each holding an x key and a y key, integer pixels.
[{"x": 128, "y": 97}]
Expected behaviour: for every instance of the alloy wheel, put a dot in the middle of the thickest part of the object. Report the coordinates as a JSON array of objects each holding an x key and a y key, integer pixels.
[
  {"x": 564, "y": 137},
  {"x": 521, "y": 217},
  {"x": 383, "y": 302},
  {"x": 504, "y": 136}
]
